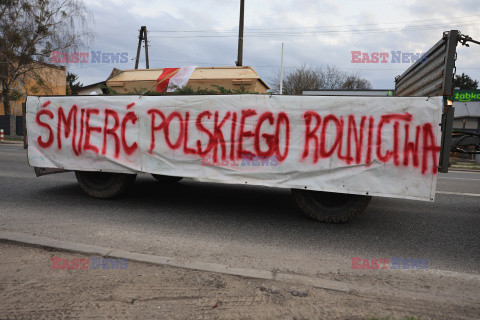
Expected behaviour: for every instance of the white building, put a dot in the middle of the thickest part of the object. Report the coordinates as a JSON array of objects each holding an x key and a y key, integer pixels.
[{"x": 467, "y": 115}]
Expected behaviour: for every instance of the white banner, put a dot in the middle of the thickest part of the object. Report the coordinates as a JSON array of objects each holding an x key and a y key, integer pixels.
[{"x": 361, "y": 145}]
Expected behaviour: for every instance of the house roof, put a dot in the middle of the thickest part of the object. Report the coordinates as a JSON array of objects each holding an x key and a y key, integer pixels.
[
  {"x": 51, "y": 65},
  {"x": 355, "y": 92},
  {"x": 92, "y": 85}
]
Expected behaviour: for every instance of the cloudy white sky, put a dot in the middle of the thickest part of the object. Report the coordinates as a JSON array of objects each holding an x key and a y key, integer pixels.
[{"x": 315, "y": 32}]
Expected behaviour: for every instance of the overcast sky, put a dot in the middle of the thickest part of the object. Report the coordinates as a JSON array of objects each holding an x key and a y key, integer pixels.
[{"x": 315, "y": 33}]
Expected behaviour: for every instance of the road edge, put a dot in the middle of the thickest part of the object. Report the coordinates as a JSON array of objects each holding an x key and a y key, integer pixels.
[
  {"x": 75, "y": 247},
  {"x": 296, "y": 279}
]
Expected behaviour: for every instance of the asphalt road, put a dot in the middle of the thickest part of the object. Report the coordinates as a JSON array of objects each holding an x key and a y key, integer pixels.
[{"x": 243, "y": 226}]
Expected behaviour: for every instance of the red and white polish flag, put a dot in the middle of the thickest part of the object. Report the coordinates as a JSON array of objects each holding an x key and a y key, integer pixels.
[{"x": 172, "y": 78}]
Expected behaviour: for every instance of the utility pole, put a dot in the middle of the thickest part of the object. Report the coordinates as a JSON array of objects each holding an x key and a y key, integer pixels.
[
  {"x": 147, "y": 61},
  {"x": 142, "y": 37},
  {"x": 281, "y": 73},
  {"x": 240, "y": 35}
]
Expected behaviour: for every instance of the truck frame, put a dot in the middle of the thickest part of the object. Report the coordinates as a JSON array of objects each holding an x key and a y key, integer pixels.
[{"x": 431, "y": 76}]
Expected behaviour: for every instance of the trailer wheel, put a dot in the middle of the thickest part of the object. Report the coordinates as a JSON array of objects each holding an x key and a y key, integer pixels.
[
  {"x": 166, "y": 179},
  {"x": 104, "y": 184},
  {"x": 329, "y": 206}
]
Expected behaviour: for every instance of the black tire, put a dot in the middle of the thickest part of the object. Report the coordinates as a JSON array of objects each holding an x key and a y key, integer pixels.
[
  {"x": 329, "y": 206},
  {"x": 166, "y": 179},
  {"x": 104, "y": 184}
]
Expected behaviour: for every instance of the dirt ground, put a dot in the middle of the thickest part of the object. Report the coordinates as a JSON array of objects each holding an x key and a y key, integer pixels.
[{"x": 31, "y": 289}]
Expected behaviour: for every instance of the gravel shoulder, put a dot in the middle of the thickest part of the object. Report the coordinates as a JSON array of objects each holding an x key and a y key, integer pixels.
[{"x": 30, "y": 288}]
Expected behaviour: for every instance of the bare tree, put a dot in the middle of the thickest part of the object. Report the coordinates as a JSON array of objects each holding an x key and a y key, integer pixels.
[
  {"x": 327, "y": 77},
  {"x": 29, "y": 32},
  {"x": 301, "y": 78},
  {"x": 354, "y": 82},
  {"x": 334, "y": 78}
]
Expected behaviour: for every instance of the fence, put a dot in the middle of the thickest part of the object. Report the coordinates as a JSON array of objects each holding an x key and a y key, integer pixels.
[
  {"x": 5, "y": 125},
  {"x": 12, "y": 126},
  {"x": 19, "y": 125}
]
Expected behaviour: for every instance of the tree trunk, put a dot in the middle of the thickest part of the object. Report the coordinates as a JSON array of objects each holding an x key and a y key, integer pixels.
[{"x": 6, "y": 100}]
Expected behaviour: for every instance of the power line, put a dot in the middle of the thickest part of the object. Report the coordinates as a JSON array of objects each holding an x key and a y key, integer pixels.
[
  {"x": 328, "y": 32},
  {"x": 292, "y": 67},
  {"x": 317, "y": 27}
]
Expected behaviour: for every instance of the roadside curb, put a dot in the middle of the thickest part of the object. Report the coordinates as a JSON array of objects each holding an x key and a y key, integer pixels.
[
  {"x": 11, "y": 142},
  {"x": 295, "y": 279},
  {"x": 74, "y": 247},
  {"x": 464, "y": 170}
]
